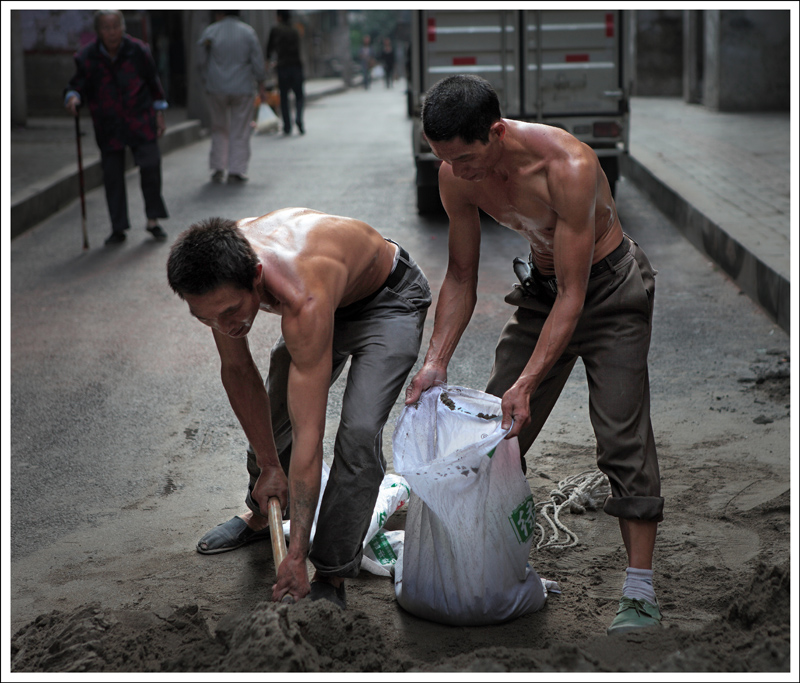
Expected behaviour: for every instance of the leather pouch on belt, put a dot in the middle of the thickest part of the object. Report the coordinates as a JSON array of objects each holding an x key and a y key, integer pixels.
[{"x": 522, "y": 270}]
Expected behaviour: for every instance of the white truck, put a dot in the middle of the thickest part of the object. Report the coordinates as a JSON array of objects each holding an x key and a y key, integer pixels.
[{"x": 564, "y": 68}]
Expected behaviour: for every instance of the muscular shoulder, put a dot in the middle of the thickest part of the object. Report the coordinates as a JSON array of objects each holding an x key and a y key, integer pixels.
[
  {"x": 572, "y": 173},
  {"x": 455, "y": 191},
  {"x": 305, "y": 255}
]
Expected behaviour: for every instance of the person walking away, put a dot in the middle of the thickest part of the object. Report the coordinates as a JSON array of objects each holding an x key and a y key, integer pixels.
[
  {"x": 367, "y": 60},
  {"x": 284, "y": 41},
  {"x": 343, "y": 293},
  {"x": 116, "y": 77},
  {"x": 589, "y": 293},
  {"x": 231, "y": 66},
  {"x": 387, "y": 59}
]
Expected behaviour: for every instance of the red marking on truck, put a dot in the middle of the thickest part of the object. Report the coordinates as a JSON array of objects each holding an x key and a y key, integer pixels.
[
  {"x": 576, "y": 58},
  {"x": 464, "y": 61},
  {"x": 609, "y": 25},
  {"x": 431, "y": 29}
]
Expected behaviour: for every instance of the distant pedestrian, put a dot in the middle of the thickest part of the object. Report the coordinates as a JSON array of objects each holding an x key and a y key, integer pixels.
[
  {"x": 284, "y": 40},
  {"x": 231, "y": 63},
  {"x": 367, "y": 60},
  {"x": 387, "y": 59},
  {"x": 116, "y": 76}
]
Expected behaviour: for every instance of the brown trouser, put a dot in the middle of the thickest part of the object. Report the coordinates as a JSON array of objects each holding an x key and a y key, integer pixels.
[{"x": 613, "y": 339}]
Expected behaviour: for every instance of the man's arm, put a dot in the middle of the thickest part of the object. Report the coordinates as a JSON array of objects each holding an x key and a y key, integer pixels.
[
  {"x": 573, "y": 192},
  {"x": 72, "y": 93},
  {"x": 309, "y": 339},
  {"x": 257, "y": 64},
  {"x": 150, "y": 75},
  {"x": 271, "y": 43},
  {"x": 458, "y": 293},
  {"x": 250, "y": 402},
  {"x": 202, "y": 49}
]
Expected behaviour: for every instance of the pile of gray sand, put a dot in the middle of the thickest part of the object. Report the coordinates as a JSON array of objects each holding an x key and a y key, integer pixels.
[{"x": 751, "y": 634}]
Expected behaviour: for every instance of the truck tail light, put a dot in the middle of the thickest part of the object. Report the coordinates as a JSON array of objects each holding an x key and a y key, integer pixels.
[
  {"x": 609, "y": 25},
  {"x": 606, "y": 129},
  {"x": 431, "y": 29}
]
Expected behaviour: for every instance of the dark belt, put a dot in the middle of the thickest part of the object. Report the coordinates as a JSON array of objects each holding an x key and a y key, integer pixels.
[
  {"x": 612, "y": 259},
  {"x": 394, "y": 279},
  {"x": 550, "y": 283}
]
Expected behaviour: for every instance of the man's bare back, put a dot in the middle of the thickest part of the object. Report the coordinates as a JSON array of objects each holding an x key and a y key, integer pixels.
[
  {"x": 519, "y": 190},
  {"x": 302, "y": 250}
]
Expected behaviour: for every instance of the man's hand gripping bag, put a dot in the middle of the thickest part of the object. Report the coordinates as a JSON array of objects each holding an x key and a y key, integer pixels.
[{"x": 470, "y": 519}]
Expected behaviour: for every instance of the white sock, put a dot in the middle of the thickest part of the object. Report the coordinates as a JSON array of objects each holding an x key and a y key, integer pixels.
[{"x": 639, "y": 585}]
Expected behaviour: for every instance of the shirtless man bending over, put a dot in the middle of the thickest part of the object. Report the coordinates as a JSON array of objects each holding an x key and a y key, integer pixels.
[
  {"x": 342, "y": 291},
  {"x": 589, "y": 293}
]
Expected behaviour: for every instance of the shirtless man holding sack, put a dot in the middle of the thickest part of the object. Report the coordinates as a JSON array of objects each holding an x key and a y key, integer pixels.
[{"x": 587, "y": 290}]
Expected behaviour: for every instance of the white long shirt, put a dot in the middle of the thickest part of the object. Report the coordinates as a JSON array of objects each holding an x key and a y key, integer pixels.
[{"x": 229, "y": 58}]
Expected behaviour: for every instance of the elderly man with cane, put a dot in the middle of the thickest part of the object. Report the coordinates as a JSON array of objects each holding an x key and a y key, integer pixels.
[{"x": 116, "y": 76}]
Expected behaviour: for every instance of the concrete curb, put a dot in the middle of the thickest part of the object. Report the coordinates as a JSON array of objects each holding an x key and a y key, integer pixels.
[
  {"x": 56, "y": 191},
  {"x": 760, "y": 282}
]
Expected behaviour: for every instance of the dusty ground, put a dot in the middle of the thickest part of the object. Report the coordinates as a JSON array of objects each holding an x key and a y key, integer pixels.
[
  {"x": 126, "y": 592},
  {"x": 722, "y": 566}
]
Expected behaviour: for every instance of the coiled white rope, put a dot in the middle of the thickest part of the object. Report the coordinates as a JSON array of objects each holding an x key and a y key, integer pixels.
[{"x": 576, "y": 493}]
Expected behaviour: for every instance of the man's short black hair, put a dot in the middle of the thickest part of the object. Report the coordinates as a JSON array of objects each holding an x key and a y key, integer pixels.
[
  {"x": 462, "y": 106},
  {"x": 211, "y": 253},
  {"x": 284, "y": 15}
]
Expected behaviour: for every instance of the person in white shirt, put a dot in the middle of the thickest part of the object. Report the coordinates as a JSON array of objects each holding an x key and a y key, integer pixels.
[{"x": 231, "y": 64}]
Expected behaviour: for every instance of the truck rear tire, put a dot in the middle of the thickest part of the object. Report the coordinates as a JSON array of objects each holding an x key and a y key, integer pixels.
[
  {"x": 610, "y": 166},
  {"x": 428, "y": 200}
]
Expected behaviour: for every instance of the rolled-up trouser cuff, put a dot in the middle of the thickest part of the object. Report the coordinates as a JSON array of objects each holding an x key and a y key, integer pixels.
[
  {"x": 643, "y": 508},
  {"x": 346, "y": 571}
]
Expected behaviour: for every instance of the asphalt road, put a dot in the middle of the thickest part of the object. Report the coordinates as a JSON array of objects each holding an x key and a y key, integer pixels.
[{"x": 124, "y": 449}]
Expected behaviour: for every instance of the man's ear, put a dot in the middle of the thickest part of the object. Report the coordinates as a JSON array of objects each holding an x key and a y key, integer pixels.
[
  {"x": 259, "y": 268},
  {"x": 499, "y": 129}
]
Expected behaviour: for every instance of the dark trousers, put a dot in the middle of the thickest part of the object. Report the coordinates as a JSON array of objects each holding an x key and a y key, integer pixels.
[
  {"x": 613, "y": 339},
  {"x": 290, "y": 79},
  {"x": 148, "y": 159},
  {"x": 382, "y": 342}
]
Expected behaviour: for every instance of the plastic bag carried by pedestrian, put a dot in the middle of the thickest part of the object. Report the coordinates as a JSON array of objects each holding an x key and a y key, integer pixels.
[
  {"x": 470, "y": 520},
  {"x": 266, "y": 121}
]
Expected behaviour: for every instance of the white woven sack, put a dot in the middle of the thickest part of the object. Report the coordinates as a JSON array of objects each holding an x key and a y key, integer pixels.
[
  {"x": 381, "y": 548},
  {"x": 470, "y": 520}
]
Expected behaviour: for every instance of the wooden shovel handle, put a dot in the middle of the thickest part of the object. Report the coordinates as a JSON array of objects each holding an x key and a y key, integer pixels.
[
  {"x": 276, "y": 532},
  {"x": 278, "y": 541}
]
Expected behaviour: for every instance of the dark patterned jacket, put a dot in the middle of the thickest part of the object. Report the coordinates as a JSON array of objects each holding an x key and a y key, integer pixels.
[{"x": 120, "y": 94}]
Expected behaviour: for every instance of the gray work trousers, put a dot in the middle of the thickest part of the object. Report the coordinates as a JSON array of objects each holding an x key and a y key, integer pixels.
[
  {"x": 613, "y": 339},
  {"x": 382, "y": 341}
]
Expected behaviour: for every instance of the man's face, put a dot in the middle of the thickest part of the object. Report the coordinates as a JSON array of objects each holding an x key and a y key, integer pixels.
[
  {"x": 473, "y": 161},
  {"x": 228, "y": 309},
  {"x": 109, "y": 27}
]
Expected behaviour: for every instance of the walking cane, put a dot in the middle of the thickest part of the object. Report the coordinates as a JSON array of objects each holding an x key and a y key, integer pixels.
[{"x": 80, "y": 177}]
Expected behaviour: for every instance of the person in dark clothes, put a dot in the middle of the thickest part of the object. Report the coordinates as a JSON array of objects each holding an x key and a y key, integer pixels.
[
  {"x": 387, "y": 59},
  {"x": 117, "y": 77},
  {"x": 284, "y": 41}
]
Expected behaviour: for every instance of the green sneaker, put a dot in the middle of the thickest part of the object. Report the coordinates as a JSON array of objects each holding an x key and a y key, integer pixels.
[{"x": 634, "y": 614}]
